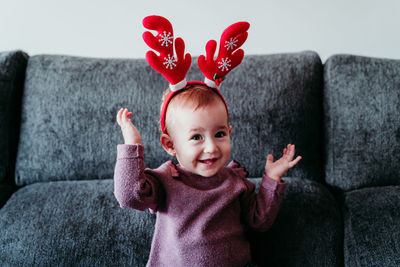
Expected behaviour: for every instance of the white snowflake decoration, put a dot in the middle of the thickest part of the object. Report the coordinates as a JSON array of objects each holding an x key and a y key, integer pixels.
[
  {"x": 166, "y": 39},
  {"x": 169, "y": 62},
  {"x": 231, "y": 44},
  {"x": 224, "y": 64}
]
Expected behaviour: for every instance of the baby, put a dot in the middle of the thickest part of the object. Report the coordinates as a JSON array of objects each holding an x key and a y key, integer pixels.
[{"x": 200, "y": 203}]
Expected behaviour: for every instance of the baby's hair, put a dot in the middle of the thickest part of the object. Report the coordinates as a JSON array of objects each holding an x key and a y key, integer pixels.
[{"x": 195, "y": 95}]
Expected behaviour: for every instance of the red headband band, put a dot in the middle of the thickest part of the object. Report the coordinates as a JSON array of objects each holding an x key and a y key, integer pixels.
[{"x": 174, "y": 67}]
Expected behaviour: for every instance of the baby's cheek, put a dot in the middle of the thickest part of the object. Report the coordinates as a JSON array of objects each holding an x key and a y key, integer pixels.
[{"x": 227, "y": 149}]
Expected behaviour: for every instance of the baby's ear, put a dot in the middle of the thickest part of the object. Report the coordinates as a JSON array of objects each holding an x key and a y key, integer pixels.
[
  {"x": 230, "y": 129},
  {"x": 167, "y": 144}
]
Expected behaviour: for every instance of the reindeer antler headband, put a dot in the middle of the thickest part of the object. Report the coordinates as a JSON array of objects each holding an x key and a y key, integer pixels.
[{"x": 174, "y": 67}]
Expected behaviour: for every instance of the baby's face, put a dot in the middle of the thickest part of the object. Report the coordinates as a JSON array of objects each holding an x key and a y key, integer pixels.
[{"x": 201, "y": 138}]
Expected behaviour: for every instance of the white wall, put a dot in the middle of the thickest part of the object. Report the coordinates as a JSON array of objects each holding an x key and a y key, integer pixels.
[{"x": 112, "y": 28}]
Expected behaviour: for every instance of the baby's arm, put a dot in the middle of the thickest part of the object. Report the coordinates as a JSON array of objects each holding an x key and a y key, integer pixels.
[
  {"x": 261, "y": 209},
  {"x": 133, "y": 188}
]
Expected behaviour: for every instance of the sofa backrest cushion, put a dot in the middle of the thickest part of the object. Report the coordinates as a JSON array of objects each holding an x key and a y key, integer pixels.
[
  {"x": 275, "y": 100},
  {"x": 362, "y": 121},
  {"x": 69, "y": 131},
  {"x": 12, "y": 73}
]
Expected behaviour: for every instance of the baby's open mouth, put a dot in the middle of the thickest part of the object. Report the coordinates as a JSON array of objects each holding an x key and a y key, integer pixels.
[{"x": 208, "y": 161}]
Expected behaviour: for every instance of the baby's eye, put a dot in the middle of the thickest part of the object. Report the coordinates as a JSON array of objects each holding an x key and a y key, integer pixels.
[
  {"x": 196, "y": 137},
  {"x": 220, "y": 134}
]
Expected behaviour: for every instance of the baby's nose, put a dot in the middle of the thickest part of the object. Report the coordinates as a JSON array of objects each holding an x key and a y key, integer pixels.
[{"x": 210, "y": 146}]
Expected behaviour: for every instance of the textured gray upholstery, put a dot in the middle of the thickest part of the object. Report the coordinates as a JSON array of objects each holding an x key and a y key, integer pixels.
[
  {"x": 12, "y": 72},
  {"x": 362, "y": 121},
  {"x": 70, "y": 104},
  {"x": 307, "y": 231},
  {"x": 371, "y": 227},
  {"x": 275, "y": 100},
  {"x": 341, "y": 204},
  {"x": 68, "y": 116},
  {"x": 71, "y": 223}
]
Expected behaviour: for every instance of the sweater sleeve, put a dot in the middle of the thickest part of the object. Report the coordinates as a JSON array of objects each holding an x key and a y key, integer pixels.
[
  {"x": 260, "y": 209},
  {"x": 133, "y": 187}
]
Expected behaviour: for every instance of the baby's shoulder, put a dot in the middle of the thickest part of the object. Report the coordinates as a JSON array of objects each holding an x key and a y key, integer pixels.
[
  {"x": 238, "y": 176},
  {"x": 165, "y": 170},
  {"x": 237, "y": 170}
]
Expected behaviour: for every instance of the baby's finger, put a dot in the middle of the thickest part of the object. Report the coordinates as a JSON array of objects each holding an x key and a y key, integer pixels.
[
  {"x": 129, "y": 114},
  {"x": 291, "y": 151},
  {"x": 287, "y": 154},
  {"x": 270, "y": 159},
  {"x": 125, "y": 115},
  {"x": 119, "y": 116},
  {"x": 123, "y": 118},
  {"x": 294, "y": 162}
]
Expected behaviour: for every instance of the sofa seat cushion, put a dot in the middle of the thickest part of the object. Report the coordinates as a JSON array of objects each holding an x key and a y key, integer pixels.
[
  {"x": 371, "y": 227},
  {"x": 80, "y": 223},
  {"x": 308, "y": 230},
  {"x": 72, "y": 223}
]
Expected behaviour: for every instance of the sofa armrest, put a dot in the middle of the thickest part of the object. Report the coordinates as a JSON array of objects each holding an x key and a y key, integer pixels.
[{"x": 12, "y": 76}]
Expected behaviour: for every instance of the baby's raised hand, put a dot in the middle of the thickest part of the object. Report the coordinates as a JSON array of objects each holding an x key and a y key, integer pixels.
[
  {"x": 129, "y": 131},
  {"x": 277, "y": 169}
]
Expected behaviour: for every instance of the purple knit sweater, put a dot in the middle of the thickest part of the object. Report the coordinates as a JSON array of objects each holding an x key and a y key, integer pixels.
[{"x": 198, "y": 219}]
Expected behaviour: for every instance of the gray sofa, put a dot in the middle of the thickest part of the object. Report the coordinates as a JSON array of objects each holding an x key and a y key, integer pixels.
[{"x": 58, "y": 139}]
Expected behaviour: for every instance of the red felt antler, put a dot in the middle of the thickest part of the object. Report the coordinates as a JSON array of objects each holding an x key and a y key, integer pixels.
[
  {"x": 229, "y": 54},
  {"x": 173, "y": 68}
]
